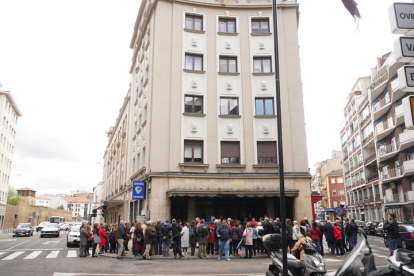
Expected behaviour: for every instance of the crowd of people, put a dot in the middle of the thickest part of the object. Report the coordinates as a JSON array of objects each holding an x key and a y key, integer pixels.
[{"x": 216, "y": 237}]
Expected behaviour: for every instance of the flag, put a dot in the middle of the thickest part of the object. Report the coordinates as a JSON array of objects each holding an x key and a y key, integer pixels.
[
  {"x": 351, "y": 6},
  {"x": 223, "y": 2}
]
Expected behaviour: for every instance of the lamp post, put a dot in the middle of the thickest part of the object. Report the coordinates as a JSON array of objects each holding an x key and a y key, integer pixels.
[{"x": 279, "y": 141}]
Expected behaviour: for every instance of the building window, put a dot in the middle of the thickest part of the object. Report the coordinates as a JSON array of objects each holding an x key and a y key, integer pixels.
[
  {"x": 230, "y": 152},
  {"x": 227, "y": 25},
  {"x": 193, "y": 62},
  {"x": 194, "y": 22},
  {"x": 266, "y": 153},
  {"x": 194, "y": 104},
  {"x": 340, "y": 180},
  {"x": 228, "y": 64},
  {"x": 341, "y": 192},
  {"x": 262, "y": 65},
  {"x": 335, "y": 204},
  {"x": 260, "y": 26},
  {"x": 229, "y": 106},
  {"x": 264, "y": 106},
  {"x": 333, "y": 180},
  {"x": 333, "y": 192},
  {"x": 193, "y": 151}
]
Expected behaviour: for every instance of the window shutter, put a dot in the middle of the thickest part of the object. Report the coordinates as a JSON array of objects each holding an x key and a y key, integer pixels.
[
  {"x": 266, "y": 149},
  {"x": 230, "y": 149}
]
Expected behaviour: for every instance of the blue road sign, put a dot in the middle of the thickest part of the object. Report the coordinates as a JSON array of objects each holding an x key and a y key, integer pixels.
[{"x": 138, "y": 190}]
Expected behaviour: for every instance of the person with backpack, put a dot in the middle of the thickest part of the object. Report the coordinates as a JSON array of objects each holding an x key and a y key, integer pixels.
[
  {"x": 254, "y": 238},
  {"x": 224, "y": 236},
  {"x": 193, "y": 237},
  {"x": 165, "y": 234},
  {"x": 158, "y": 238},
  {"x": 211, "y": 238},
  {"x": 260, "y": 234},
  {"x": 236, "y": 236},
  {"x": 202, "y": 233},
  {"x": 176, "y": 236}
]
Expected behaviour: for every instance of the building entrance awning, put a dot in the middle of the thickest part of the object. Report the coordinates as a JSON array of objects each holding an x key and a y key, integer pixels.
[
  {"x": 216, "y": 193},
  {"x": 111, "y": 203}
]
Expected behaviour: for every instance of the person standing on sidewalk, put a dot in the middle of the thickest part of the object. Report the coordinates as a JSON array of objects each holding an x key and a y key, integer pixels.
[
  {"x": 193, "y": 237},
  {"x": 120, "y": 236},
  {"x": 248, "y": 242},
  {"x": 148, "y": 236},
  {"x": 165, "y": 234},
  {"x": 289, "y": 230},
  {"x": 84, "y": 236},
  {"x": 211, "y": 238},
  {"x": 103, "y": 236},
  {"x": 352, "y": 233},
  {"x": 223, "y": 234},
  {"x": 236, "y": 236},
  {"x": 176, "y": 236},
  {"x": 338, "y": 239},
  {"x": 315, "y": 233},
  {"x": 202, "y": 233},
  {"x": 95, "y": 240},
  {"x": 158, "y": 238},
  {"x": 329, "y": 236},
  {"x": 391, "y": 226},
  {"x": 185, "y": 239}
]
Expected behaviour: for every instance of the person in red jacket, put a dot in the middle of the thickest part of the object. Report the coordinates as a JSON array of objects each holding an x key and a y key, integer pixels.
[
  {"x": 315, "y": 233},
  {"x": 102, "y": 235},
  {"x": 338, "y": 238},
  {"x": 211, "y": 238}
]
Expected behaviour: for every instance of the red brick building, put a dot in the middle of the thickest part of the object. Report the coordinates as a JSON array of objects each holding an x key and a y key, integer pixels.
[{"x": 333, "y": 193}]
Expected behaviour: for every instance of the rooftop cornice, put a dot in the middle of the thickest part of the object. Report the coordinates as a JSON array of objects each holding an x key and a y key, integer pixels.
[{"x": 12, "y": 102}]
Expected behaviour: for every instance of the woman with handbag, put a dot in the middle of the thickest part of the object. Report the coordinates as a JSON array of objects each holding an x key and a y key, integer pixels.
[
  {"x": 89, "y": 243},
  {"x": 96, "y": 239},
  {"x": 102, "y": 236}
]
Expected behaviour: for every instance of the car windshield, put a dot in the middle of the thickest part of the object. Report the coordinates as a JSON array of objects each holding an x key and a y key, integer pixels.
[
  {"x": 351, "y": 264},
  {"x": 75, "y": 229},
  {"x": 23, "y": 226},
  {"x": 51, "y": 225},
  {"x": 42, "y": 224}
]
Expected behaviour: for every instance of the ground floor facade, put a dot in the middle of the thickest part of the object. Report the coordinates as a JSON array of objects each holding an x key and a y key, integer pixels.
[
  {"x": 2, "y": 215},
  {"x": 187, "y": 197},
  {"x": 371, "y": 212}
]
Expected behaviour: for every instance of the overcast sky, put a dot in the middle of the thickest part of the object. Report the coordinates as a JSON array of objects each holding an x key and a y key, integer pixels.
[{"x": 66, "y": 64}]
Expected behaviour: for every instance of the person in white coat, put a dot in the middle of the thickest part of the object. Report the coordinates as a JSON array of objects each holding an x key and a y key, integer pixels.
[{"x": 185, "y": 238}]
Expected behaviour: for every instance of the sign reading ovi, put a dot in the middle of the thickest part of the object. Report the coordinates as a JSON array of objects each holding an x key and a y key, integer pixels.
[
  {"x": 138, "y": 190},
  {"x": 402, "y": 17}
]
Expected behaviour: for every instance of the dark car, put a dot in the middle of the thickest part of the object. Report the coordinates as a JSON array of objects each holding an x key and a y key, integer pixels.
[
  {"x": 40, "y": 226},
  {"x": 406, "y": 236},
  {"x": 370, "y": 227},
  {"x": 360, "y": 223},
  {"x": 23, "y": 229}
]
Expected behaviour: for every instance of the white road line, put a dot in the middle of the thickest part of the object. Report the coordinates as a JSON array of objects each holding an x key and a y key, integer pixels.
[
  {"x": 33, "y": 255},
  {"x": 12, "y": 256},
  {"x": 72, "y": 254},
  {"x": 2, "y": 253},
  {"x": 18, "y": 244},
  {"x": 52, "y": 255}
]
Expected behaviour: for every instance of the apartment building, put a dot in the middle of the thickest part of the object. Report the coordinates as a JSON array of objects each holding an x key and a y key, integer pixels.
[
  {"x": 80, "y": 207},
  {"x": 9, "y": 114},
  {"x": 202, "y": 128},
  {"x": 384, "y": 185},
  {"x": 321, "y": 169},
  {"x": 333, "y": 193}
]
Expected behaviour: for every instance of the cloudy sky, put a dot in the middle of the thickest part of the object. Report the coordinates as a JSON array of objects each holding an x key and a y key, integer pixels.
[{"x": 66, "y": 64}]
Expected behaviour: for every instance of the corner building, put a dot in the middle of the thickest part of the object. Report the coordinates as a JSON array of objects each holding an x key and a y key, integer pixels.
[{"x": 202, "y": 124}]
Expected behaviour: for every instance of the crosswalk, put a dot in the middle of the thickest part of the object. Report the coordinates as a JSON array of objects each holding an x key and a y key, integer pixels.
[{"x": 31, "y": 255}]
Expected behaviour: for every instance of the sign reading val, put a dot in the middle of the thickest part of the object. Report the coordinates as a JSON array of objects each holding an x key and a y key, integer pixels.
[{"x": 138, "y": 190}]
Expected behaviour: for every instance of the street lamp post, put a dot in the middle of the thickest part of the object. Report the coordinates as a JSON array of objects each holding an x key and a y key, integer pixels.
[{"x": 279, "y": 141}]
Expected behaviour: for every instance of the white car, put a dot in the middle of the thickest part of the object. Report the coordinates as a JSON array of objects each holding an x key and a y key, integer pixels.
[
  {"x": 50, "y": 229},
  {"x": 64, "y": 226},
  {"x": 73, "y": 236}
]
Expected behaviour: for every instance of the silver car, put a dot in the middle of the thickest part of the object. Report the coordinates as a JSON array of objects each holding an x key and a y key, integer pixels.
[
  {"x": 51, "y": 230},
  {"x": 73, "y": 236}
]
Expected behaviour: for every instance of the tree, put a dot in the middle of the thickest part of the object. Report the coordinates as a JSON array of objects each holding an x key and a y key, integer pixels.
[
  {"x": 60, "y": 207},
  {"x": 12, "y": 196}
]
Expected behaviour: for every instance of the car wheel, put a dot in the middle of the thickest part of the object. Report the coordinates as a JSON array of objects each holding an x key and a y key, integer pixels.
[
  {"x": 67, "y": 244},
  {"x": 41, "y": 235},
  {"x": 14, "y": 235},
  {"x": 385, "y": 243}
]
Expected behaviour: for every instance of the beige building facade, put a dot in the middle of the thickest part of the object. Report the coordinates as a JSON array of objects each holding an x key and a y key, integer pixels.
[{"x": 202, "y": 128}]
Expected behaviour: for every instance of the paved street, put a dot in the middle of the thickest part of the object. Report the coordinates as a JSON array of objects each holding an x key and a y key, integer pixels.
[{"x": 49, "y": 256}]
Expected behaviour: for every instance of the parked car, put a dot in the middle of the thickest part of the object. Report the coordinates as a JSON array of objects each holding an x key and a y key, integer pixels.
[
  {"x": 370, "y": 227},
  {"x": 64, "y": 226},
  {"x": 73, "y": 236},
  {"x": 360, "y": 223},
  {"x": 40, "y": 226},
  {"x": 23, "y": 229},
  {"x": 406, "y": 236},
  {"x": 50, "y": 229},
  {"x": 379, "y": 229}
]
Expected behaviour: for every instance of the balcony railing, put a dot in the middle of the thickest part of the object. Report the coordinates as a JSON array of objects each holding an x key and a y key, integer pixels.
[
  {"x": 395, "y": 198},
  {"x": 392, "y": 173},
  {"x": 267, "y": 160},
  {"x": 384, "y": 125},
  {"x": 382, "y": 103},
  {"x": 363, "y": 103},
  {"x": 385, "y": 149},
  {"x": 366, "y": 119},
  {"x": 378, "y": 81},
  {"x": 368, "y": 138},
  {"x": 373, "y": 177},
  {"x": 370, "y": 158}
]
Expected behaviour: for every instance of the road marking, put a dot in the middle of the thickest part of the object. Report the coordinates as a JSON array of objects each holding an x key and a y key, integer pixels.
[
  {"x": 33, "y": 249},
  {"x": 50, "y": 242},
  {"x": 52, "y": 255},
  {"x": 8, "y": 240},
  {"x": 12, "y": 256},
  {"x": 2, "y": 253},
  {"x": 33, "y": 255},
  {"x": 72, "y": 254},
  {"x": 18, "y": 244}
]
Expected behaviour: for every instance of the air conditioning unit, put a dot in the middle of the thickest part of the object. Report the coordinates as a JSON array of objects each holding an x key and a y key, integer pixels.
[{"x": 392, "y": 185}]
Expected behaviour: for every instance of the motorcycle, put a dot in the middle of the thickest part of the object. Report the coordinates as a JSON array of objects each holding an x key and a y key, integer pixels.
[
  {"x": 400, "y": 263},
  {"x": 313, "y": 261}
]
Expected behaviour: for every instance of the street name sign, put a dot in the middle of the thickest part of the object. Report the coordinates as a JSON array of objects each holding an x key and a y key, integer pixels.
[
  {"x": 408, "y": 105},
  {"x": 406, "y": 78},
  {"x": 404, "y": 49},
  {"x": 401, "y": 17}
]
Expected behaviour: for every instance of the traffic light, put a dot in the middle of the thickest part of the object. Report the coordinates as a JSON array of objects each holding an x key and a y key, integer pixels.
[{"x": 105, "y": 209}]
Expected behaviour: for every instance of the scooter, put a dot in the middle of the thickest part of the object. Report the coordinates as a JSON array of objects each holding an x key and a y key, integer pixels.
[
  {"x": 314, "y": 264},
  {"x": 400, "y": 263}
]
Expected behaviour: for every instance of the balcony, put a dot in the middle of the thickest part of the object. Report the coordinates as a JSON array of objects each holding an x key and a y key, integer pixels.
[
  {"x": 397, "y": 93},
  {"x": 382, "y": 107},
  {"x": 368, "y": 141},
  {"x": 370, "y": 159},
  {"x": 384, "y": 129},
  {"x": 387, "y": 151},
  {"x": 395, "y": 199},
  {"x": 408, "y": 167},
  {"x": 363, "y": 103},
  {"x": 399, "y": 115},
  {"x": 373, "y": 178},
  {"x": 378, "y": 86},
  {"x": 406, "y": 140},
  {"x": 389, "y": 175}
]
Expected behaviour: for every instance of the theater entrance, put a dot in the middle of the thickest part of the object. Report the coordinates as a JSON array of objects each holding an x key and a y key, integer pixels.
[{"x": 187, "y": 208}]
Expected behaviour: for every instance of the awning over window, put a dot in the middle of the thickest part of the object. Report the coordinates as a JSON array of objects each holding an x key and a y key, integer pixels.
[
  {"x": 211, "y": 193},
  {"x": 112, "y": 203}
]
